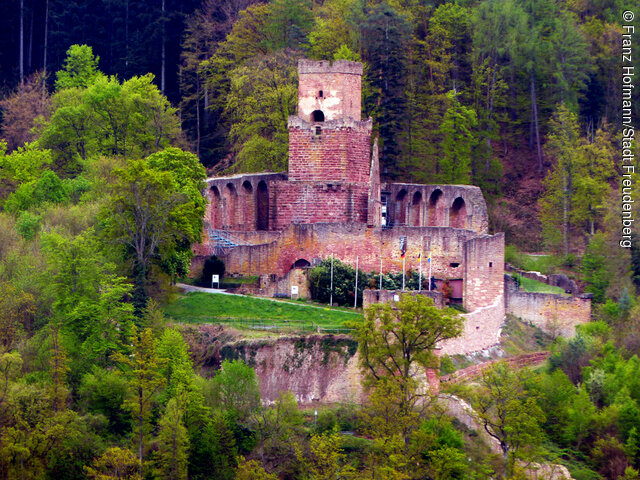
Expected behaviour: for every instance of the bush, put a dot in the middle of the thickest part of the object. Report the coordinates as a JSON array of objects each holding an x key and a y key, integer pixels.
[
  {"x": 28, "y": 225},
  {"x": 344, "y": 278}
]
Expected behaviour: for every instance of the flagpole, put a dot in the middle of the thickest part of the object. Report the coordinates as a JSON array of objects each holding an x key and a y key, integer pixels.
[
  {"x": 420, "y": 270},
  {"x": 380, "y": 274},
  {"x": 430, "y": 262},
  {"x": 331, "y": 287},
  {"x": 403, "y": 262},
  {"x": 355, "y": 300}
]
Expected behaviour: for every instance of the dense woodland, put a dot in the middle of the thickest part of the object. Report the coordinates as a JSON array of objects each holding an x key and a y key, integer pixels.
[{"x": 111, "y": 112}]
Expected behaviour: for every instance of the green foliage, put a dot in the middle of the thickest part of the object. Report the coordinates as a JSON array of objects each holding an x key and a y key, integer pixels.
[
  {"x": 236, "y": 389},
  {"x": 131, "y": 119},
  {"x": 335, "y": 33},
  {"x": 458, "y": 140},
  {"x": 153, "y": 213},
  {"x": 28, "y": 225},
  {"x": 103, "y": 392},
  {"x": 344, "y": 282},
  {"x": 508, "y": 414},
  {"x": 288, "y": 23},
  {"x": 263, "y": 93},
  {"x": 171, "y": 460},
  {"x": 25, "y": 164},
  {"x": 385, "y": 38},
  {"x": 47, "y": 188},
  {"x": 80, "y": 68},
  {"x": 595, "y": 273}
]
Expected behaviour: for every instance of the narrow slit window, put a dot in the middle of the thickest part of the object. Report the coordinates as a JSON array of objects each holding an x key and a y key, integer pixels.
[{"x": 320, "y": 94}]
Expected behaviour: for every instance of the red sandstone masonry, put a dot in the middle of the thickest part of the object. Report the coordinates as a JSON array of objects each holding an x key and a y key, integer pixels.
[{"x": 474, "y": 371}]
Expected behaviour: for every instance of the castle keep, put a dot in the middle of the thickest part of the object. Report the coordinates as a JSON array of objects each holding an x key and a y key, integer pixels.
[{"x": 331, "y": 201}]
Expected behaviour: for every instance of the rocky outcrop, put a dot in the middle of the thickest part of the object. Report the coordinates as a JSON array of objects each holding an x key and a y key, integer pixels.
[{"x": 315, "y": 368}]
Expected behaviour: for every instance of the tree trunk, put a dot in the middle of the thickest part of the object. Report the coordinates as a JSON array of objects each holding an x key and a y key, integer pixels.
[
  {"x": 21, "y": 42},
  {"x": 534, "y": 111},
  {"x": 46, "y": 37},
  {"x": 162, "y": 71},
  {"x": 198, "y": 117},
  {"x": 30, "y": 43}
]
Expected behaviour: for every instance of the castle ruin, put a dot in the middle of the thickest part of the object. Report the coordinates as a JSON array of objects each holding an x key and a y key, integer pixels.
[{"x": 331, "y": 201}]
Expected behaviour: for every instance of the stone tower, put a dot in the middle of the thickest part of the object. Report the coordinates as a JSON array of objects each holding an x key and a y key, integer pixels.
[{"x": 328, "y": 141}]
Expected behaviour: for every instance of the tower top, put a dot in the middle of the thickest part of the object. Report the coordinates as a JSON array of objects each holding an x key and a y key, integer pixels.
[
  {"x": 346, "y": 67},
  {"x": 329, "y": 90}
]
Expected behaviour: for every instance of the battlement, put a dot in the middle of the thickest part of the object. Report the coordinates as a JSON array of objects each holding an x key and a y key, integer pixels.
[
  {"x": 298, "y": 123},
  {"x": 325, "y": 66}
]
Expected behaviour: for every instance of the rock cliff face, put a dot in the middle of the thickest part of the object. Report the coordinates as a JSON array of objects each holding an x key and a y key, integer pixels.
[{"x": 317, "y": 369}]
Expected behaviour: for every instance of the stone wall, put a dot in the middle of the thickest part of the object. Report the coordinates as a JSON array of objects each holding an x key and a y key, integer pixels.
[
  {"x": 370, "y": 245},
  {"x": 371, "y": 297},
  {"x": 242, "y": 202},
  {"x": 306, "y": 203},
  {"x": 483, "y": 271},
  {"x": 457, "y": 206},
  {"x": 553, "y": 313},
  {"x": 481, "y": 330},
  {"x": 481, "y": 327},
  {"x": 332, "y": 151}
]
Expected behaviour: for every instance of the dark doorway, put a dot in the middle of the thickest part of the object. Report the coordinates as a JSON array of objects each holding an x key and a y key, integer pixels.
[{"x": 262, "y": 204}]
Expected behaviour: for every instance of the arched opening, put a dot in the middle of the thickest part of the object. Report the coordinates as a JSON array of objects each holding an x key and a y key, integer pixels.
[
  {"x": 231, "y": 204},
  {"x": 458, "y": 214},
  {"x": 216, "y": 206},
  {"x": 317, "y": 116},
  {"x": 262, "y": 206},
  {"x": 248, "y": 206},
  {"x": 401, "y": 208},
  {"x": 415, "y": 215},
  {"x": 436, "y": 210},
  {"x": 301, "y": 263}
]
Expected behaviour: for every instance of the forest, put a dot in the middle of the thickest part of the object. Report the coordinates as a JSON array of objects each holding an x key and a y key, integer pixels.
[{"x": 112, "y": 114}]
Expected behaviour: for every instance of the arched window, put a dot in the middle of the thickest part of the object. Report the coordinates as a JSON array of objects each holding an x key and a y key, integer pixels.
[
  {"x": 415, "y": 215},
  {"x": 458, "y": 214},
  {"x": 317, "y": 116},
  {"x": 435, "y": 212}
]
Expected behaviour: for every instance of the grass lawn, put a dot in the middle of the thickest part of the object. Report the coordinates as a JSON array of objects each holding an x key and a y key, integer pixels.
[
  {"x": 529, "y": 285},
  {"x": 255, "y": 312}
]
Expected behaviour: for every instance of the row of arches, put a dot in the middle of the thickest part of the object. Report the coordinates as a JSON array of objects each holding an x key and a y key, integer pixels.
[
  {"x": 246, "y": 208},
  {"x": 416, "y": 211}
]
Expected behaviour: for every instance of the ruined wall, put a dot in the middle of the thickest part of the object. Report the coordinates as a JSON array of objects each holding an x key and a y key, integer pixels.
[
  {"x": 332, "y": 151},
  {"x": 484, "y": 271},
  {"x": 435, "y": 205},
  {"x": 331, "y": 87},
  {"x": 481, "y": 330},
  {"x": 242, "y": 202},
  {"x": 371, "y": 297},
  {"x": 348, "y": 241},
  {"x": 554, "y": 314},
  {"x": 298, "y": 202}
]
